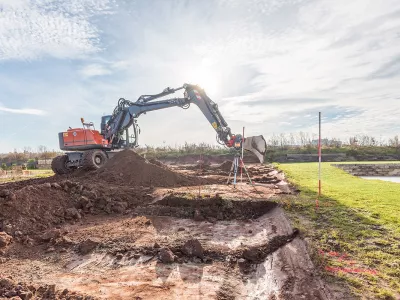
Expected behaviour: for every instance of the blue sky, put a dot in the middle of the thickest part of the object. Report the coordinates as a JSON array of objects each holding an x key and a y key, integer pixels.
[{"x": 270, "y": 65}]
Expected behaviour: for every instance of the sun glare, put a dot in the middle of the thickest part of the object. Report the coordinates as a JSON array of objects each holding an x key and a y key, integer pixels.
[{"x": 206, "y": 78}]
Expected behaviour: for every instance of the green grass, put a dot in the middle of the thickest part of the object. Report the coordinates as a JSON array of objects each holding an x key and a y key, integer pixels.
[
  {"x": 357, "y": 219},
  {"x": 34, "y": 174}
]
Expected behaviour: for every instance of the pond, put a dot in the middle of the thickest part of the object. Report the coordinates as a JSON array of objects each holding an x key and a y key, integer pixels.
[{"x": 384, "y": 178}]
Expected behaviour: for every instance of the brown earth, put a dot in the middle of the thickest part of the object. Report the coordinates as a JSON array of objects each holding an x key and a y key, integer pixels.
[{"x": 154, "y": 232}]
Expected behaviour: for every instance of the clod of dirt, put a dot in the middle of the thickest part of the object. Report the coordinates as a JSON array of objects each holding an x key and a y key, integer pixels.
[
  {"x": 55, "y": 185},
  {"x": 72, "y": 213},
  {"x": 137, "y": 171},
  {"x": 83, "y": 203},
  {"x": 13, "y": 290},
  {"x": 193, "y": 248},
  {"x": 88, "y": 246},
  {"x": 166, "y": 256},
  {"x": 257, "y": 254},
  {"x": 198, "y": 216},
  {"x": 119, "y": 207},
  {"x": 4, "y": 193},
  {"x": 5, "y": 239},
  {"x": 50, "y": 234}
]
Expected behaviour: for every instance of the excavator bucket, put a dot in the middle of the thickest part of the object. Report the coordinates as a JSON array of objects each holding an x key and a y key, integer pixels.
[{"x": 257, "y": 145}]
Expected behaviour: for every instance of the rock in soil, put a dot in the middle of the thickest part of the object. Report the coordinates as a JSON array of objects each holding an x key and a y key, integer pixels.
[
  {"x": 166, "y": 256},
  {"x": 198, "y": 216},
  {"x": 119, "y": 207},
  {"x": 72, "y": 213},
  {"x": 5, "y": 239},
  {"x": 4, "y": 193},
  {"x": 51, "y": 234},
  {"x": 88, "y": 246},
  {"x": 193, "y": 248}
]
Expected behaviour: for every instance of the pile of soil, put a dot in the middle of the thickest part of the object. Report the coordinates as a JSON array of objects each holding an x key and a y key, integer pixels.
[
  {"x": 129, "y": 168},
  {"x": 14, "y": 290}
]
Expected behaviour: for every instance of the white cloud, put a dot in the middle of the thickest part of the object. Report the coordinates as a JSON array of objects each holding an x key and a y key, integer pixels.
[
  {"x": 94, "y": 70},
  {"x": 24, "y": 111},
  {"x": 58, "y": 28}
]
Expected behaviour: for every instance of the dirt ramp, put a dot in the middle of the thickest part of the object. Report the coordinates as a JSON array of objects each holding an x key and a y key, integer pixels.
[{"x": 129, "y": 168}]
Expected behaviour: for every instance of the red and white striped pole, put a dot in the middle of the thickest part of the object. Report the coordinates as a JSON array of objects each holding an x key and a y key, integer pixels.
[
  {"x": 241, "y": 165},
  {"x": 319, "y": 156}
]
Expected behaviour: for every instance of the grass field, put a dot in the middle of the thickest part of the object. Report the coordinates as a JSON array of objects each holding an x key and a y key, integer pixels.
[
  {"x": 355, "y": 231},
  {"x": 33, "y": 174}
]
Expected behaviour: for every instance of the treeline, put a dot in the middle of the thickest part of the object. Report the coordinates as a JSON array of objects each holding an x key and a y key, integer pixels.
[
  {"x": 291, "y": 143},
  {"x": 302, "y": 140},
  {"x": 28, "y": 156}
]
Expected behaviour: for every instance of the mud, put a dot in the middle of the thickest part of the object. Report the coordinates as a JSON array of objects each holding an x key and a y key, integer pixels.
[{"x": 154, "y": 232}]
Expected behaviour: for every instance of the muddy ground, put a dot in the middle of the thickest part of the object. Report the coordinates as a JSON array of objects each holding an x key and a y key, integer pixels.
[{"x": 139, "y": 229}]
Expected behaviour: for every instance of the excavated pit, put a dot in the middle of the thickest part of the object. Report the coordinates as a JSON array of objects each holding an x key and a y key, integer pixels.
[
  {"x": 134, "y": 229},
  {"x": 213, "y": 208}
]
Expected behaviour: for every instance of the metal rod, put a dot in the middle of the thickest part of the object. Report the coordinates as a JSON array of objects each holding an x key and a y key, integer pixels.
[{"x": 236, "y": 162}]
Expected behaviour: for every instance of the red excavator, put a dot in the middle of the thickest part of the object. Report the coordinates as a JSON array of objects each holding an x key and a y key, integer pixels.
[{"x": 90, "y": 149}]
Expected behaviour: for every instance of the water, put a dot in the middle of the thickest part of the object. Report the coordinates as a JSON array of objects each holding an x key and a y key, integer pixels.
[{"x": 384, "y": 178}]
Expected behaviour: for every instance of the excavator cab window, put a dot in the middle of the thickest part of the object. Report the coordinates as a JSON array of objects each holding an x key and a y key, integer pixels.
[{"x": 104, "y": 121}]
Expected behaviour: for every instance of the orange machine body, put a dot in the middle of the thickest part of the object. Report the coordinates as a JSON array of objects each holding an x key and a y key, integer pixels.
[{"x": 82, "y": 139}]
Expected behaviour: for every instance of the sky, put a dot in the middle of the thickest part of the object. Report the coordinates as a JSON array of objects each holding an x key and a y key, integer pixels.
[{"x": 271, "y": 65}]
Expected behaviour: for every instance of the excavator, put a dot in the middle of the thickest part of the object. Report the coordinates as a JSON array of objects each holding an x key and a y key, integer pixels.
[{"x": 89, "y": 149}]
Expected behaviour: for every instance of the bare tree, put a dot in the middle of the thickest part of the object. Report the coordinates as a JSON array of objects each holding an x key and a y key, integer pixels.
[{"x": 394, "y": 142}]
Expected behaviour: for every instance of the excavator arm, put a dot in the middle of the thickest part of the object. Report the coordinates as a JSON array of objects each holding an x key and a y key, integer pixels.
[{"x": 126, "y": 113}]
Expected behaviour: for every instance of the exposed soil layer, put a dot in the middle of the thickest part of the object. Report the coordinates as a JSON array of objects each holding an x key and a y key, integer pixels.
[
  {"x": 207, "y": 208},
  {"x": 29, "y": 210}
]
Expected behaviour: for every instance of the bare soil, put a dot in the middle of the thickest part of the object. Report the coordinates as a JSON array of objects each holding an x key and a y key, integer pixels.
[{"x": 136, "y": 229}]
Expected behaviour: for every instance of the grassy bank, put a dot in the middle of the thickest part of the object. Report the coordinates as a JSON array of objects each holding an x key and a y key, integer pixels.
[
  {"x": 354, "y": 232},
  {"x": 33, "y": 174}
]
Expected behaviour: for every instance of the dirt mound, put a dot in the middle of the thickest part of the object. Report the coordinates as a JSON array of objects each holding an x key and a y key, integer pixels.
[
  {"x": 129, "y": 168},
  {"x": 11, "y": 289},
  {"x": 225, "y": 166},
  {"x": 157, "y": 163}
]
